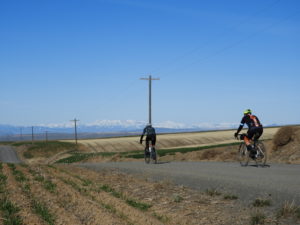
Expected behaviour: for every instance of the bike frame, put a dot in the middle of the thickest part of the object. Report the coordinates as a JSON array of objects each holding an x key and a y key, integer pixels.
[
  {"x": 152, "y": 153},
  {"x": 261, "y": 154}
]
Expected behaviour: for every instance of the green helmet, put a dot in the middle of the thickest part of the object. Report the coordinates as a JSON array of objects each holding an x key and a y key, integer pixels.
[{"x": 247, "y": 111}]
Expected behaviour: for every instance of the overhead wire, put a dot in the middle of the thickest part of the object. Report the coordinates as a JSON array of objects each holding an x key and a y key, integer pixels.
[
  {"x": 236, "y": 43},
  {"x": 121, "y": 95},
  {"x": 221, "y": 34}
]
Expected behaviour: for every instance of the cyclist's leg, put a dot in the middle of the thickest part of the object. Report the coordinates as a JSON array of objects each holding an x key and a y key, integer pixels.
[
  {"x": 153, "y": 140},
  {"x": 247, "y": 141},
  {"x": 147, "y": 144},
  {"x": 258, "y": 133},
  {"x": 251, "y": 132}
]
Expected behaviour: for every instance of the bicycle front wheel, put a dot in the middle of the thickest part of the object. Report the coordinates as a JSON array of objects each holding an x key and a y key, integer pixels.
[
  {"x": 261, "y": 157},
  {"x": 243, "y": 155}
]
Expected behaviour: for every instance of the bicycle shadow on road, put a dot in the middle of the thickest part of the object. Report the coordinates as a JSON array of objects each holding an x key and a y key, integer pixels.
[
  {"x": 265, "y": 166},
  {"x": 163, "y": 162}
]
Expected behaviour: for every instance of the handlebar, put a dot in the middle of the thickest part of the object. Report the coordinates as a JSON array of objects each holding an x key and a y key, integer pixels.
[{"x": 240, "y": 136}]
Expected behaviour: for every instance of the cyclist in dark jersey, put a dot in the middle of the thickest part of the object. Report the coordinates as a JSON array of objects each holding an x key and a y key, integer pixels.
[
  {"x": 150, "y": 135},
  {"x": 255, "y": 129}
]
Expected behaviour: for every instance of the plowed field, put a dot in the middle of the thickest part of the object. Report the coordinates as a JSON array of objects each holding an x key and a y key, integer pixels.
[
  {"x": 124, "y": 144},
  {"x": 40, "y": 194}
]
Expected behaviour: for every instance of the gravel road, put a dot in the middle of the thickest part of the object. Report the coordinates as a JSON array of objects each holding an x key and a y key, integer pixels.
[
  {"x": 278, "y": 182},
  {"x": 8, "y": 154}
]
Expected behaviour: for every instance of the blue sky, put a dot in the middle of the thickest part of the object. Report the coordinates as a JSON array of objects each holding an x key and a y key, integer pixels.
[{"x": 65, "y": 59}]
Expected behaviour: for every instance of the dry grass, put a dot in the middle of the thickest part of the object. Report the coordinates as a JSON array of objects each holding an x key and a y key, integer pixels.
[
  {"x": 283, "y": 136},
  {"x": 289, "y": 209},
  {"x": 166, "y": 141},
  {"x": 285, "y": 146}
]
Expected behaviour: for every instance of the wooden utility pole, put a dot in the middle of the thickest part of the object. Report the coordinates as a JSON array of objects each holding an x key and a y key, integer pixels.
[
  {"x": 21, "y": 133},
  {"x": 32, "y": 138},
  {"x": 150, "y": 79},
  {"x": 75, "y": 123}
]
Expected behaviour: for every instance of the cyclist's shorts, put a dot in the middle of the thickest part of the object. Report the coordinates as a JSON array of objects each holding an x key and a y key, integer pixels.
[
  {"x": 151, "y": 138},
  {"x": 255, "y": 132}
]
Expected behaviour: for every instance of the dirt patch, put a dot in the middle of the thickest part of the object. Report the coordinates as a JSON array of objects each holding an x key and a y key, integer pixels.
[{"x": 286, "y": 145}]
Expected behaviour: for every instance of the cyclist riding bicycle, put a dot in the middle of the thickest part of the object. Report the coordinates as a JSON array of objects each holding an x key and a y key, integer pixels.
[
  {"x": 150, "y": 135},
  {"x": 255, "y": 129}
]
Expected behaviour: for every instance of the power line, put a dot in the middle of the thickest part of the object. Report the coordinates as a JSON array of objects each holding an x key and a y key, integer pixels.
[
  {"x": 179, "y": 58},
  {"x": 234, "y": 44},
  {"x": 221, "y": 34}
]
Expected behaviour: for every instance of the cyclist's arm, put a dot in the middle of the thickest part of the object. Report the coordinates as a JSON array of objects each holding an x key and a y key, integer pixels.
[
  {"x": 241, "y": 125},
  {"x": 240, "y": 128},
  {"x": 141, "y": 139}
]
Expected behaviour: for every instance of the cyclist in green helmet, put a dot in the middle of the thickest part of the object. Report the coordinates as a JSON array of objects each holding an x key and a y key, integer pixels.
[{"x": 255, "y": 129}]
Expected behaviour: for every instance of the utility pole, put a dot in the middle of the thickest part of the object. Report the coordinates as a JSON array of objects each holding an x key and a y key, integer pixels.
[
  {"x": 21, "y": 133},
  {"x": 150, "y": 79},
  {"x": 32, "y": 138},
  {"x": 75, "y": 123},
  {"x": 46, "y": 132}
]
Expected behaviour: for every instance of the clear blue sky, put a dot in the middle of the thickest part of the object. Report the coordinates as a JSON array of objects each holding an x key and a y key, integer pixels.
[{"x": 62, "y": 59}]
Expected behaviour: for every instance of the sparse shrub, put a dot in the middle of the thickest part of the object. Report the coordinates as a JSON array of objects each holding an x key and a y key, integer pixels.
[
  {"x": 289, "y": 209},
  {"x": 261, "y": 202},
  {"x": 298, "y": 213},
  {"x": 50, "y": 186},
  {"x": 19, "y": 176},
  {"x": 27, "y": 155},
  {"x": 3, "y": 178},
  {"x": 108, "y": 189},
  {"x": 43, "y": 211},
  {"x": 177, "y": 198},
  {"x": 11, "y": 165},
  {"x": 10, "y": 212},
  {"x": 212, "y": 192},
  {"x": 257, "y": 218},
  {"x": 162, "y": 218},
  {"x": 39, "y": 178},
  {"x": 138, "y": 205},
  {"x": 230, "y": 197}
]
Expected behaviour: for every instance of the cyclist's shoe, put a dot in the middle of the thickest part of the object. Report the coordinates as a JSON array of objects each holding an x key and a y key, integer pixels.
[{"x": 250, "y": 147}]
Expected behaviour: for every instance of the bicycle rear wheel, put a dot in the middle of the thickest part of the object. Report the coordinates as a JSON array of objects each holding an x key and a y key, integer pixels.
[
  {"x": 153, "y": 155},
  {"x": 147, "y": 156},
  {"x": 243, "y": 155},
  {"x": 261, "y": 157}
]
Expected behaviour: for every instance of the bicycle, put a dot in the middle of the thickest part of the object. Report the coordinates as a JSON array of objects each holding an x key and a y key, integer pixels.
[
  {"x": 260, "y": 156},
  {"x": 150, "y": 154}
]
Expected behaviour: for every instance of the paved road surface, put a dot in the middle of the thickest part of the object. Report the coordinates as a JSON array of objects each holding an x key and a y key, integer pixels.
[
  {"x": 279, "y": 182},
  {"x": 8, "y": 154}
]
